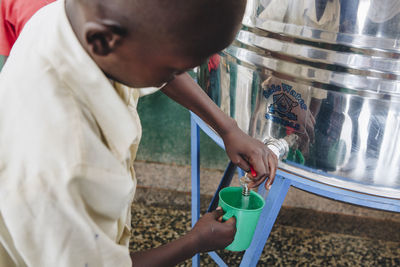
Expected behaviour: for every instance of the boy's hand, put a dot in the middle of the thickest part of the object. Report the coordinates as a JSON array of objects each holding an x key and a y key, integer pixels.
[
  {"x": 244, "y": 151},
  {"x": 210, "y": 234},
  {"x": 241, "y": 148}
]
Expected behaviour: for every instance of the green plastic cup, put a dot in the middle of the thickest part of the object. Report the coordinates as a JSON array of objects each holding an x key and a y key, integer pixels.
[{"x": 230, "y": 200}]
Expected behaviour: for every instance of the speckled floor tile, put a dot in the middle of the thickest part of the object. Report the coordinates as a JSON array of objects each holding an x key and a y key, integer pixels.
[
  {"x": 287, "y": 246},
  {"x": 177, "y": 178},
  {"x": 369, "y": 227}
]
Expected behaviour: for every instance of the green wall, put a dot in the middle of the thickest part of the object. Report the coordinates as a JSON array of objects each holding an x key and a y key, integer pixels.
[
  {"x": 1, "y": 62},
  {"x": 166, "y": 135}
]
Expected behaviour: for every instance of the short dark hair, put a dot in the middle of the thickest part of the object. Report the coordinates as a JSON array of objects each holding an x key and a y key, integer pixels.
[{"x": 195, "y": 27}]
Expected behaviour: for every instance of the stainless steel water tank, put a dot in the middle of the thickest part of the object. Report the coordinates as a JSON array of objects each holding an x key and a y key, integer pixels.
[{"x": 326, "y": 72}]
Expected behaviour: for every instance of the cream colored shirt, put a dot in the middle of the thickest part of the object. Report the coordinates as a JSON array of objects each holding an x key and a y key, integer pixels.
[
  {"x": 68, "y": 139},
  {"x": 303, "y": 13}
]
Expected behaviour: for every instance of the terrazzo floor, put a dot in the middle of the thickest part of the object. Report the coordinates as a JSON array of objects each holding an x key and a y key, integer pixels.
[{"x": 300, "y": 237}]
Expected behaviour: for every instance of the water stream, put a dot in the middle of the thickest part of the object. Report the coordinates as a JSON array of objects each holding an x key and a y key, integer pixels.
[{"x": 245, "y": 202}]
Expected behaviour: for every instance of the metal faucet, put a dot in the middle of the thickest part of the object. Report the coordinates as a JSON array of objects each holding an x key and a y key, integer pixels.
[{"x": 280, "y": 147}]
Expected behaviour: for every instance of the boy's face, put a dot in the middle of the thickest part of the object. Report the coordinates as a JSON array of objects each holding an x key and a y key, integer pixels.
[{"x": 146, "y": 65}]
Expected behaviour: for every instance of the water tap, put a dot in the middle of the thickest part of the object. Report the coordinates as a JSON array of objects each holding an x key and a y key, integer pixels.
[
  {"x": 280, "y": 147},
  {"x": 244, "y": 182}
]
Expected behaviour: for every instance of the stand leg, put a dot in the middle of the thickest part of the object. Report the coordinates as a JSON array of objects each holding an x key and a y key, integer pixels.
[
  {"x": 225, "y": 182},
  {"x": 195, "y": 176},
  {"x": 240, "y": 173},
  {"x": 273, "y": 204}
]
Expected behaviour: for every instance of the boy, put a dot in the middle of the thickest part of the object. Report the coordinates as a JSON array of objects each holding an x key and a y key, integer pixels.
[{"x": 70, "y": 130}]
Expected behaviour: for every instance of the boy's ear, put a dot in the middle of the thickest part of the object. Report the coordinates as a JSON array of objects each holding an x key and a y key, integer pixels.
[{"x": 102, "y": 38}]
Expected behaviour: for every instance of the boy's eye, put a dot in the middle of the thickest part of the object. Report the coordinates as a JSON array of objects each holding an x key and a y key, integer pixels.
[{"x": 170, "y": 79}]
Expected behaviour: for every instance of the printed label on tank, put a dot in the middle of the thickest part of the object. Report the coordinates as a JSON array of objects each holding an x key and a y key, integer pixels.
[{"x": 285, "y": 104}]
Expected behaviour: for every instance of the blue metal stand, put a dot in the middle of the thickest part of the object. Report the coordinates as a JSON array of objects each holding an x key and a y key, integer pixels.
[
  {"x": 195, "y": 172},
  {"x": 276, "y": 196}
]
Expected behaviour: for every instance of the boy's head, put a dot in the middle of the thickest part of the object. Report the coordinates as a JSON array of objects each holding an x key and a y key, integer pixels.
[{"x": 145, "y": 43}]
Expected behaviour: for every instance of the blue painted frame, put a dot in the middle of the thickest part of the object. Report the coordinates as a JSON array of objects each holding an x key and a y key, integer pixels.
[{"x": 275, "y": 198}]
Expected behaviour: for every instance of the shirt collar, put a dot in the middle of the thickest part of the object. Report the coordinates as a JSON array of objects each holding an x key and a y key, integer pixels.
[
  {"x": 330, "y": 14},
  {"x": 81, "y": 74}
]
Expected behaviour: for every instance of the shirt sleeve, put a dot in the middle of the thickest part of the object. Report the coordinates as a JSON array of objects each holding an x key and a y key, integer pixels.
[
  {"x": 70, "y": 223},
  {"x": 6, "y": 34}
]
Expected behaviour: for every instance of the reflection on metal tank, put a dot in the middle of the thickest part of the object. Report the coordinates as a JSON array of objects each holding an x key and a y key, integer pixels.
[{"x": 326, "y": 72}]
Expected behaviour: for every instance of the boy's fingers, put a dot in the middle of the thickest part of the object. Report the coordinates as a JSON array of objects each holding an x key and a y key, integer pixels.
[
  {"x": 241, "y": 163},
  {"x": 260, "y": 169},
  {"x": 268, "y": 184},
  {"x": 273, "y": 164},
  {"x": 231, "y": 221},
  {"x": 256, "y": 184},
  {"x": 267, "y": 166},
  {"x": 217, "y": 213}
]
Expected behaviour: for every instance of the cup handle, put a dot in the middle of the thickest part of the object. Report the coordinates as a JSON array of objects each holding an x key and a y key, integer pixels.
[{"x": 227, "y": 216}]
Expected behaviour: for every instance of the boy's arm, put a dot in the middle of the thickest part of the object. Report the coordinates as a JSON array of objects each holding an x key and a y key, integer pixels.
[
  {"x": 207, "y": 235},
  {"x": 240, "y": 147},
  {"x": 168, "y": 255}
]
